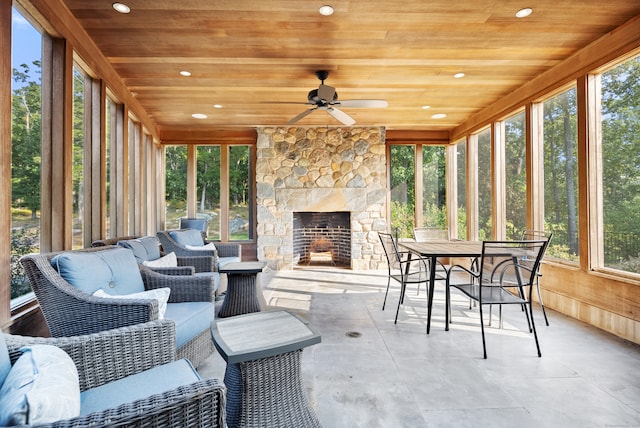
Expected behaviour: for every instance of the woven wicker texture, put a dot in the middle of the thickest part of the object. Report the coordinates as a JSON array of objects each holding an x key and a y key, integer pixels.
[
  {"x": 268, "y": 392},
  {"x": 241, "y": 297},
  {"x": 70, "y": 312},
  {"x": 115, "y": 354}
]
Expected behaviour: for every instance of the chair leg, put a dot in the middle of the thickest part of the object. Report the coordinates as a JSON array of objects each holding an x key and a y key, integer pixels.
[
  {"x": 484, "y": 344},
  {"x": 403, "y": 288},
  {"x": 387, "y": 292},
  {"x": 533, "y": 327},
  {"x": 544, "y": 313}
]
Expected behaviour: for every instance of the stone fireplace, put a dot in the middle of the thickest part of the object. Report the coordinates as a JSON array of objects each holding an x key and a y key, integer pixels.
[{"x": 320, "y": 170}]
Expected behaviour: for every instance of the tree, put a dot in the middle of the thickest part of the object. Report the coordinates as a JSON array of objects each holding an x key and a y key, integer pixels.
[{"x": 25, "y": 145}]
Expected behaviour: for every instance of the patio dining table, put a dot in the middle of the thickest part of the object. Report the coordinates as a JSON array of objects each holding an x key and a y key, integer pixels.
[{"x": 434, "y": 249}]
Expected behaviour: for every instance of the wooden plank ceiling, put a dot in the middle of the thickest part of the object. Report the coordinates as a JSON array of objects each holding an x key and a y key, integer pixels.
[{"x": 244, "y": 54}]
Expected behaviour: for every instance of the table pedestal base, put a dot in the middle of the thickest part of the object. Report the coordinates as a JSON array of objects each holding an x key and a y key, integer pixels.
[
  {"x": 268, "y": 392},
  {"x": 241, "y": 296}
]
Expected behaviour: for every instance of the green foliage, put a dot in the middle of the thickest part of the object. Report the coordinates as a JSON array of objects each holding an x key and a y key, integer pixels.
[
  {"x": 402, "y": 219},
  {"x": 23, "y": 241},
  {"x": 25, "y": 139}
]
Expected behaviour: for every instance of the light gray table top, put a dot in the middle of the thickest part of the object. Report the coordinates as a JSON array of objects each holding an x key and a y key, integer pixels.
[
  {"x": 261, "y": 334},
  {"x": 242, "y": 267}
]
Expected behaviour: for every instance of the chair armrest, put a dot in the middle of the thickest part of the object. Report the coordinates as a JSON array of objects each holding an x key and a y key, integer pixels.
[
  {"x": 193, "y": 288},
  {"x": 228, "y": 249},
  {"x": 199, "y": 404},
  {"x": 200, "y": 263},
  {"x": 113, "y": 354},
  {"x": 454, "y": 268},
  {"x": 178, "y": 270}
]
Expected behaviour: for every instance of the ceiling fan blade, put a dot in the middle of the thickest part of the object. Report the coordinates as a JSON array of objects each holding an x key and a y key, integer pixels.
[
  {"x": 287, "y": 102},
  {"x": 301, "y": 115},
  {"x": 362, "y": 103},
  {"x": 341, "y": 116},
  {"x": 326, "y": 92}
]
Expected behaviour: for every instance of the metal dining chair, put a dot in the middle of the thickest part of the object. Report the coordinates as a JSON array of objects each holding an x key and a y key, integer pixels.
[{"x": 403, "y": 267}]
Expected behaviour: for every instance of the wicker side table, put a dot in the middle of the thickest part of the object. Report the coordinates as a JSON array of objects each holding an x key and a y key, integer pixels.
[
  {"x": 241, "y": 296},
  {"x": 264, "y": 385}
]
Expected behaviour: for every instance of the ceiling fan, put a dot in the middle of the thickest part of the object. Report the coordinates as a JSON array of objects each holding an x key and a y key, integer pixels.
[{"x": 326, "y": 98}]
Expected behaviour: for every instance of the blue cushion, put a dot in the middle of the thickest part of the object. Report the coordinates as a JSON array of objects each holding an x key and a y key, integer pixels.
[
  {"x": 5, "y": 362},
  {"x": 191, "y": 319},
  {"x": 115, "y": 271},
  {"x": 156, "y": 380},
  {"x": 144, "y": 249},
  {"x": 187, "y": 237},
  {"x": 41, "y": 387}
]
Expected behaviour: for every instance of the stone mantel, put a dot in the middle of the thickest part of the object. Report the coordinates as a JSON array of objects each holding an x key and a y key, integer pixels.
[{"x": 321, "y": 170}]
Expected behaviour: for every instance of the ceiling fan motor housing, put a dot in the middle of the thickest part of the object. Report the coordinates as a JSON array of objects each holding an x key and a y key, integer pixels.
[{"x": 313, "y": 97}]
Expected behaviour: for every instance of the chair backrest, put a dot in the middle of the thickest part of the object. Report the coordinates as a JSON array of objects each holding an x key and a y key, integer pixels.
[
  {"x": 390, "y": 250},
  {"x": 530, "y": 234},
  {"x": 424, "y": 234},
  {"x": 511, "y": 263},
  {"x": 202, "y": 224}
]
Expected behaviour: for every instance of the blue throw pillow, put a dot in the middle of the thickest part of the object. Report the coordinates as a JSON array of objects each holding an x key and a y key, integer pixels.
[
  {"x": 115, "y": 271},
  {"x": 41, "y": 387},
  {"x": 187, "y": 237}
]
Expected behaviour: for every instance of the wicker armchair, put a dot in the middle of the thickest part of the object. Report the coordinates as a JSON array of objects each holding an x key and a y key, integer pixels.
[
  {"x": 71, "y": 312},
  {"x": 112, "y": 355},
  {"x": 223, "y": 250}
]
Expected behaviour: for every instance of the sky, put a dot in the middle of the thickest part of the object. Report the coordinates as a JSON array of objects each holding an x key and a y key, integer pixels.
[{"x": 26, "y": 42}]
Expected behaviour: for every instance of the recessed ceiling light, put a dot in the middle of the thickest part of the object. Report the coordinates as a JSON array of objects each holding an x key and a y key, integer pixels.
[
  {"x": 458, "y": 75},
  {"x": 185, "y": 73},
  {"x": 217, "y": 106},
  {"x": 121, "y": 7},
  {"x": 426, "y": 107},
  {"x": 199, "y": 116},
  {"x": 326, "y": 10},
  {"x": 439, "y": 116},
  {"x": 523, "y": 13}
]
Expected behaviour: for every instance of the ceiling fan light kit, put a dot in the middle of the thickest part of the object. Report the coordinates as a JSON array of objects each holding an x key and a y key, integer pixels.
[{"x": 326, "y": 98}]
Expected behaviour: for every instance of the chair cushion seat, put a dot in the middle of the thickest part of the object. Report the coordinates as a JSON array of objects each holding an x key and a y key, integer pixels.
[
  {"x": 191, "y": 319},
  {"x": 153, "y": 381}
]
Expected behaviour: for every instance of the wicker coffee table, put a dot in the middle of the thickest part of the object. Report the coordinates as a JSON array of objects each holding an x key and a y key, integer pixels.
[
  {"x": 241, "y": 296},
  {"x": 264, "y": 386}
]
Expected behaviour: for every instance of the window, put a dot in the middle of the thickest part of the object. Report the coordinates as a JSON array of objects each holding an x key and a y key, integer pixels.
[
  {"x": 620, "y": 127},
  {"x": 515, "y": 148},
  {"x": 239, "y": 193},
  {"x": 25, "y": 148},
  {"x": 402, "y": 165},
  {"x": 78, "y": 183},
  {"x": 109, "y": 137},
  {"x": 561, "y": 174},
  {"x": 434, "y": 186},
  {"x": 176, "y": 186},
  {"x": 484, "y": 184},
  {"x": 208, "y": 187},
  {"x": 461, "y": 184}
]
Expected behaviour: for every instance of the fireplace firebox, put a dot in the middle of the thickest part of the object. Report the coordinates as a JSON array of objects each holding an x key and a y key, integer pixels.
[{"x": 322, "y": 238}]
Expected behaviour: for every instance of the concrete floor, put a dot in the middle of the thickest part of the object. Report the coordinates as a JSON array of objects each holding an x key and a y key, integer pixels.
[{"x": 394, "y": 375}]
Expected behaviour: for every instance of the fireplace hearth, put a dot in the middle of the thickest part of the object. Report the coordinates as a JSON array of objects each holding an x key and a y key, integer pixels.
[{"x": 321, "y": 238}]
